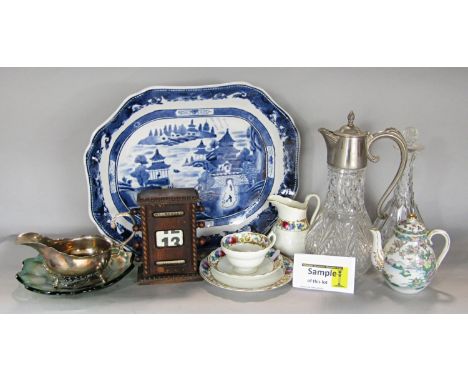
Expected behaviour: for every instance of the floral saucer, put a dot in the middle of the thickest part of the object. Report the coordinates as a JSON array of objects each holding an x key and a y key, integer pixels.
[
  {"x": 36, "y": 278},
  {"x": 271, "y": 274}
]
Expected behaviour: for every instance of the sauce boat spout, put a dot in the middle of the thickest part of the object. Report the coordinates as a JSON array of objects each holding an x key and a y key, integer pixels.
[{"x": 34, "y": 240}]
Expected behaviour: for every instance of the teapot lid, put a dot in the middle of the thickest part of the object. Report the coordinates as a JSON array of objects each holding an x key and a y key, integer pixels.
[
  {"x": 350, "y": 130},
  {"x": 411, "y": 226}
]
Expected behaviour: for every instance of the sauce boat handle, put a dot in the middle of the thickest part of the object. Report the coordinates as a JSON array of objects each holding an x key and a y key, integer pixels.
[{"x": 114, "y": 225}]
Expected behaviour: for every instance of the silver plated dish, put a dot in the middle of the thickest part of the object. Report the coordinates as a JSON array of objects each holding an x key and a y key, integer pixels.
[{"x": 37, "y": 278}]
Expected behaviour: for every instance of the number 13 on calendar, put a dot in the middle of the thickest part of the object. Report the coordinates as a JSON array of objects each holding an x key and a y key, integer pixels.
[{"x": 173, "y": 238}]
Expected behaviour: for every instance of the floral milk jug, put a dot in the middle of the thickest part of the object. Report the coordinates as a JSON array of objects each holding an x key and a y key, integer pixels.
[
  {"x": 342, "y": 226},
  {"x": 292, "y": 225}
]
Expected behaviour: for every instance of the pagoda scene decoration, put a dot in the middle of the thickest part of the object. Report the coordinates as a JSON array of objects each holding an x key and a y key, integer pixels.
[
  {"x": 175, "y": 134},
  {"x": 224, "y": 160}
]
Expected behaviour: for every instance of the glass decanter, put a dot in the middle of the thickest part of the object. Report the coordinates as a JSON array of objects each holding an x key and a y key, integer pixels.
[
  {"x": 402, "y": 204},
  {"x": 342, "y": 226}
]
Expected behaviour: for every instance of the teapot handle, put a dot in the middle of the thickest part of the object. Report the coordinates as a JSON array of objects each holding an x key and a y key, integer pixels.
[
  {"x": 317, "y": 207},
  {"x": 396, "y": 136},
  {"x": 446, "y": 246}
]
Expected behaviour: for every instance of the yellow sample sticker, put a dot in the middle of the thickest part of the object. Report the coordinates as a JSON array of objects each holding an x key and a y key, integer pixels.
[{"x": 340, "y": 277}]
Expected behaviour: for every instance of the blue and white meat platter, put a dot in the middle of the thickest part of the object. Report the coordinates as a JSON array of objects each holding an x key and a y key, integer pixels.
[{"x": 231, "y": 142}]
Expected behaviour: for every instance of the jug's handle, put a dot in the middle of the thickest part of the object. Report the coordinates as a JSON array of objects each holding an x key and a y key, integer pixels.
[
  {"x": 317, "y": 207},
  {"x": 132, "y": 218},
  {"x": 446, "y": 246},
  {"x": 396, "y": 136}
]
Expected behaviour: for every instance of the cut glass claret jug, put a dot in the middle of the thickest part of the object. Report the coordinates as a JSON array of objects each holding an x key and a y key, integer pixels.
[
  {"x": 342, "y": 226},
  {"x": 402, "y": 203}
]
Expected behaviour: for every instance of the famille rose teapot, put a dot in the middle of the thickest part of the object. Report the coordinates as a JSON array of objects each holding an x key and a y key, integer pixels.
[
  {"x": 408, "y": 261},
  {"x": 292, "y": 225}
]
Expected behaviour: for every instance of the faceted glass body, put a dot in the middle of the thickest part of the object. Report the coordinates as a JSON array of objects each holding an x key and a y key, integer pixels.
[{"x": 342, "y": 226}]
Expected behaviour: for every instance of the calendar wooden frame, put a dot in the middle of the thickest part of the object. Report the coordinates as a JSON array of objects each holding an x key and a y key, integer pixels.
[{"x": 169, "y": 210}]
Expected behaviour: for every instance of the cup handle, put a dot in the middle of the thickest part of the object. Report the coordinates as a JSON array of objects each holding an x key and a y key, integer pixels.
[
  {"x": 272, "y": 238},
  {"x": 446, "y": 246},
  {"x": 114, "y": 225},
  {"x": 317, "y": 207}
]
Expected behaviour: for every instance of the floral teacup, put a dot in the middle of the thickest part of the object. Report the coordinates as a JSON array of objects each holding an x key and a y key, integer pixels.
[{"x": 247, "y": 250}]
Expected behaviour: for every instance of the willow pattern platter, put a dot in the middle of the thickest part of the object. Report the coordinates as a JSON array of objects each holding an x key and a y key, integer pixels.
[
  {"x": 207, "y": 263},
  {"x": 36, "y": 278},
  {"x": 231, "y": 142}
]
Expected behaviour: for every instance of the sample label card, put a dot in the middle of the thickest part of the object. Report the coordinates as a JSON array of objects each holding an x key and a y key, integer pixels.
[{"x": 331, "y": 273}]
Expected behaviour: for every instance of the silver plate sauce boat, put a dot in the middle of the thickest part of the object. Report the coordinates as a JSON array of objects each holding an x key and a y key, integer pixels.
[{"x": 71, "y": 257}]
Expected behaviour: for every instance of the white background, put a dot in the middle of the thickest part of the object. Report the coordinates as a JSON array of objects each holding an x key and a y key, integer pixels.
[{"x": 337, "y": 33}]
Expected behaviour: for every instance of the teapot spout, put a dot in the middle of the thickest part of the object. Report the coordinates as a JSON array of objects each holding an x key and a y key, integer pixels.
[{"x": 377, "y": 256}]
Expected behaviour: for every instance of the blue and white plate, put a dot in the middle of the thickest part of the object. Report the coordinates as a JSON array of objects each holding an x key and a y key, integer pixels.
[{"x": 231, "y": 142}]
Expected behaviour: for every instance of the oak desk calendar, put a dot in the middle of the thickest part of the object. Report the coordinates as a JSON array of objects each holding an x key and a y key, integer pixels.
[{"x": 168, "y": 225}]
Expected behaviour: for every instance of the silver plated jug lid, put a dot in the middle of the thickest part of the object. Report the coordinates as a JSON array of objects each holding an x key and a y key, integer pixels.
[
  {"x": 350, "y": 130},
  {"x": 347, "y": 146}
]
